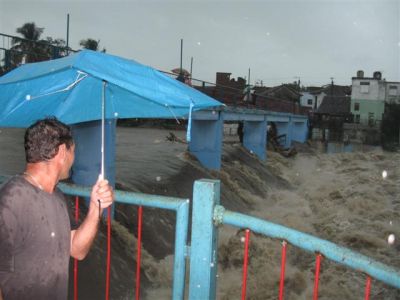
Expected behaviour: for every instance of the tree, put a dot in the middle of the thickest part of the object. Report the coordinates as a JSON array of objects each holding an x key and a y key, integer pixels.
[
  {"x": 31, "y": 48},
  {"x": 28, "y": 48},
  {"x": 91, "y": 44},
  {"x": 55, "y": 48}
]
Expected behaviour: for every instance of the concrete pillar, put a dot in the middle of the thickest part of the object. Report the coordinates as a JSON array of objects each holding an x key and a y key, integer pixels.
[
  {"x": 255, "y": 136},
  {"x": 87, "y": 165},
  {"x": 300, "y": 131},
  {"x": 206, "y": 142}
]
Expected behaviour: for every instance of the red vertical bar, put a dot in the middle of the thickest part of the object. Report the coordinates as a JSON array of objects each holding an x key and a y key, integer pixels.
[
  {"x": 316, "y": 280},
  {"x": 368, "y": 288},
  {"x": 283, "y": 263},
  {"x": 139, "y": 251},
  {"x": 108, "y": 253},
  {"x": 75, "y": 260},
  {"x": 245, "y": 263}
]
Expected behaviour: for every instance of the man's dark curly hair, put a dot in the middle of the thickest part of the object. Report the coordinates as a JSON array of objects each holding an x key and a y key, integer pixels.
[{"x": 43, "y": 138}]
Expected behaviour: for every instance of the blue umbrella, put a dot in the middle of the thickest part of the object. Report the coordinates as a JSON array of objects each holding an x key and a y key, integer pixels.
[{"x": 90, "y": 86}]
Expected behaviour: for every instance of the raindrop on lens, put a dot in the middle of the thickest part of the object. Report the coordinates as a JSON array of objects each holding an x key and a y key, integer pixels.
[
  {"x": 384, "y": 174},
  {"x": 391, "y": 239}
]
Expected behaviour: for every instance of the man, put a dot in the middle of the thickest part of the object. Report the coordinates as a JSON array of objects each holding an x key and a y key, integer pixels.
[{"x": 37, "y": 236}]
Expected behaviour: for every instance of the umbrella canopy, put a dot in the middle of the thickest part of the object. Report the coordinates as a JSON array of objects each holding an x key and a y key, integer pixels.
[{"x": 71, "y": 88}]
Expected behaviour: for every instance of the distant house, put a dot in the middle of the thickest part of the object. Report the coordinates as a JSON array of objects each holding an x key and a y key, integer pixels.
[
  {"x": 369, "y": 95},
  {"x": 227, "y": 90},
  {"x": 327, "y": 121},
  {"x": 329, "y": 90},
  {"x": 307, "y": 99},
  {"x": 282, "y": 98},
  {"x": 392, "y": 92},
  {"x": 335, "y": 106}
]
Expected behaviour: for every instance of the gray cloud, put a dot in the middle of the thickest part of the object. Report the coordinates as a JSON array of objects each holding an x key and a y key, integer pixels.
[{"x": 278, "y": 40}]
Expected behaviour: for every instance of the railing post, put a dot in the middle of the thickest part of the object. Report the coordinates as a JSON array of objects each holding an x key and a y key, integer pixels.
[{"x": 203, "y": 254}]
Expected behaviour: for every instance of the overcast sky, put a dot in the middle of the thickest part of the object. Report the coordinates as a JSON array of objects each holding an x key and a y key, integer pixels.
[{"x": 278, "y": 40}]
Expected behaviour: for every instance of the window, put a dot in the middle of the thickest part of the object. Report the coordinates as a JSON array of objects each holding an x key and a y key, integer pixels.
[
  {"x": 364, "y": 87},
  {"x": 356, "y": 106},
  {"x": 371, "y": 119},
  {"x": 392, "y": 90},
  {"x": 309, "y": 101},
  {"x": 356, "y": 118}
]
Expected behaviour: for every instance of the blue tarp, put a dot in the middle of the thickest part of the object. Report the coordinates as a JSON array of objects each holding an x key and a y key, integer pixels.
[{"x": 70, "y": 88}]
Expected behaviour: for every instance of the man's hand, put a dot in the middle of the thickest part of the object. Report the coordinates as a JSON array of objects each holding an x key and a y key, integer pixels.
[{"x": 102, "y": 194}]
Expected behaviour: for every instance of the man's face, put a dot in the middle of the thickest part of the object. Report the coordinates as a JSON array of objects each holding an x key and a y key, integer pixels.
[{"x": 69, "y": 160}]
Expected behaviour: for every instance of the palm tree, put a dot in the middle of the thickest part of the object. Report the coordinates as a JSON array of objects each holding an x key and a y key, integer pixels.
[
  {"x": 91, "y": 44},
  {"x": 28, "y": 48}
]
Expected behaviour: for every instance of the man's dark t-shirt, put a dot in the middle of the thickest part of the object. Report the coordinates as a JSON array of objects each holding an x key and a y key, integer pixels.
[{"x": 35, "y": 236}]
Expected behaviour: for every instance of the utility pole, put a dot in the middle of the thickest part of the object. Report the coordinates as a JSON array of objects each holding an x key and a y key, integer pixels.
[
  {"x": 298, "y": 81},
  {"x": 67, "y": 34},
  {"x": 181, "y": 55},
  {"x": 191, "y": 68},
  {"x": 332, "y": 86},
  {"x": 248, "y": 88}
]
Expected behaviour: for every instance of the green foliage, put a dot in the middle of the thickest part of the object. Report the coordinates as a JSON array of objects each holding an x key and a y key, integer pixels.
[
  {"x": 391, "y": 126},
  {"x": 91, "y": 44},
  {"x": 31, "y": 47}
]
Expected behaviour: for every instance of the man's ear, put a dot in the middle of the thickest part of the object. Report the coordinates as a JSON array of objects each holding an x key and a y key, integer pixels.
[{"x": 62, "y": 151}]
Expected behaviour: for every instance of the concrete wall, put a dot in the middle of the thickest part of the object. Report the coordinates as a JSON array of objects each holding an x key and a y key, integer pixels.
[
  {"x": 304, "y": 99},
  {"x": 376, "y": 89}
]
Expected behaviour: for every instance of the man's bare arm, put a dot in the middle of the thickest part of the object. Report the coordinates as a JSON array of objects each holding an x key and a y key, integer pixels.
[{"x": 82, "y": 238}]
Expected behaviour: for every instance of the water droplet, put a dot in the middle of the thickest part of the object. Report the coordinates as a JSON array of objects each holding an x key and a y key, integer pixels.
[
  {"x": 391, "y": 239},
  {"x": 384, "y": 174},
  {"x": 158, "y": 178},
  {"x": 53, "y": 234},
  {"x": 28, "y": 97}
]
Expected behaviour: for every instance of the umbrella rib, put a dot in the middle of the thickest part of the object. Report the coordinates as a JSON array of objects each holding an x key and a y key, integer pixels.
[{"x": 77, "y": 80}]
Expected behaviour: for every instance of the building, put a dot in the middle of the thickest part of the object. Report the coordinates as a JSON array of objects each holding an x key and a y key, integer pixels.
[
  {"x": 368, "y": 99},
  {"x": 228, "y": 90},
  {"x": 392, "y": 92},
  {"x": 328, "y": 120},
  {"x": 369, "y": 95},
  {"x": 307, "y": 99},
  {"x": 329, "y": 90},
  {"x": 282, "y": 98}
]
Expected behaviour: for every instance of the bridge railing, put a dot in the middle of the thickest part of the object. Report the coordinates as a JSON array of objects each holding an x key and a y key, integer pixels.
[{"x": 208, "y": 216}]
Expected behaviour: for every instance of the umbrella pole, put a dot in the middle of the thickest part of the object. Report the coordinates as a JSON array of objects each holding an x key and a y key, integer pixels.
[{"x": 102, "y": 174}]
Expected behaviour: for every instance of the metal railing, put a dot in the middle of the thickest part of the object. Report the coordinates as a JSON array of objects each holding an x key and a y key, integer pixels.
[{"x": 208, "y": 215}]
